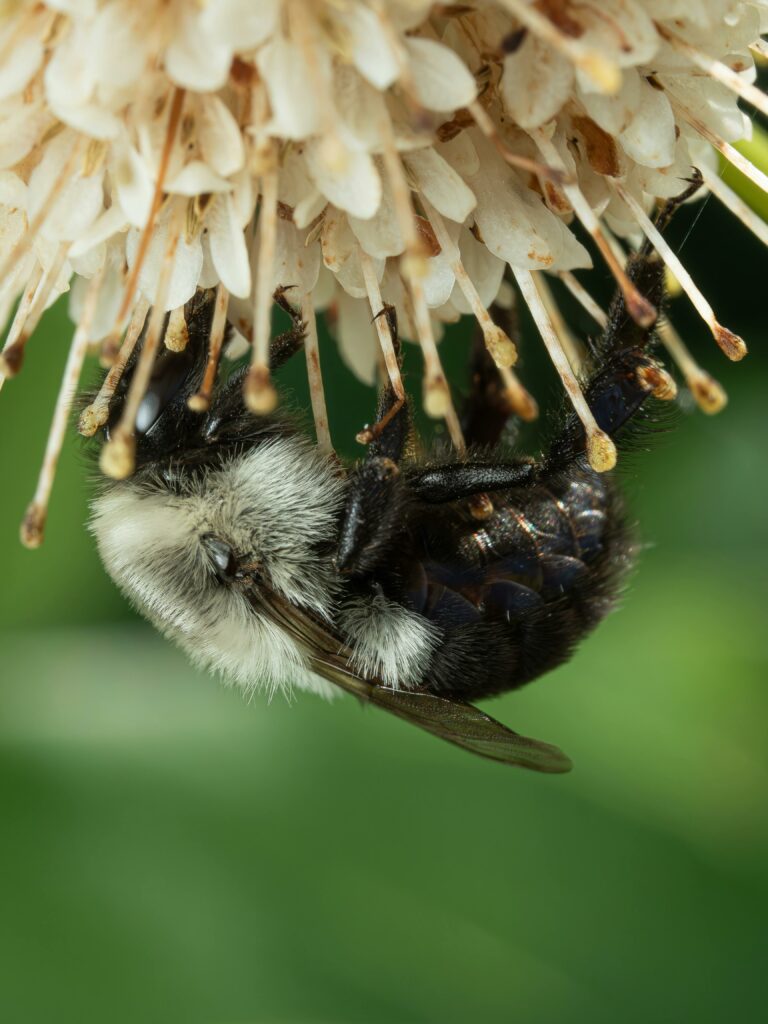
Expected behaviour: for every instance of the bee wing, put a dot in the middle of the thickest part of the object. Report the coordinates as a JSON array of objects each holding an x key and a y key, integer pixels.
[{"x": 456, "y": 722}]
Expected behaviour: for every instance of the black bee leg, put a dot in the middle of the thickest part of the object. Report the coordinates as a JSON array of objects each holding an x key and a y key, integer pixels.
[
  {"x": 370, "y": 433},
  {"x": 374, "y": 509},
  {"x": 486, "y": 410},
  {"x": 455, "y": 480},
  {"x": 289, "y": 342}
]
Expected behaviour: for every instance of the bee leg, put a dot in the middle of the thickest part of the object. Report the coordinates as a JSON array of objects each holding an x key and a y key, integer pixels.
[
  {"x": 455, "y": 480},
  {"x": 291, "y": 341},
  {"x": 374, "y": 510},
  {"x": 486, "y": 410}
]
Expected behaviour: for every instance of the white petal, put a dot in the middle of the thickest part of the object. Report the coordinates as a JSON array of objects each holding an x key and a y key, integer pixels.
[
  {"x": 243, "y": 197},
  {"x": 13, "y": 191},
  {"x": 295, "y": 264},
  {"x": 21, "y": 124},
  {"x": 536, "y": 83},
  {"x": 69, "y": 78},
  {"x": 485, "y": 271},
  {"x": 371, "y": 52},
  {"x": 209, "y": 276},
  {"x": 356, "y": 187},
  {"x": 460, "y": 154},
  {"x": 79, "y": 202},
  {"x": 19, "y": 65},
  {"x": 221, "y": 143},
  {"x": 361, "y": 108},
  {"x": 187, "y": 264},
  {"x": 439, "y": 280},
  {"x": 358, "y": 344},
  {"x": 614, "y": 113},
  {"x": 197, "y": 179},
  {"x": 228, "y": 249},
  {"x": 650, "y": 136},
  {"x": 108, "y": 303},
  {"x": 442, "y": 186},
  {"x": 240, "y": 24},
  {"x": 194, "y": 61},
  {"x": 380, "y": 235},
  {"x": 515, "y": 225},
  {"x": 89, "y": 119},
  {"x": 117, "y": 51},
  {"x": 292, "y": 93},
  {"x": 103, "y": 228},
  {"x": 133, "y": 185},
  {"x": 440, "y": 79}
]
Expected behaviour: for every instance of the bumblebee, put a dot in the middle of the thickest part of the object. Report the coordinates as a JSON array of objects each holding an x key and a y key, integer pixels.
[{"x": 419, "y": 584}]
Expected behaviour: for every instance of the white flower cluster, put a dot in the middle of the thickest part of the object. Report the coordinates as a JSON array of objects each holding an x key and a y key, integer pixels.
[{"x": 362, "y": 151}]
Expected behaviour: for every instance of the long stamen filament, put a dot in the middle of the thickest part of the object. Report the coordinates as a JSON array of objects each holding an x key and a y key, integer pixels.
[
  {"x": 315, "y": 377},
  {"x": 33, "y": 524},
  {"x": 118, "y": 454},
  {"x": 717, "y": 69},
  {"x": 12, "y": 357},
  {"x": 582, "y": 296},
  {"x": 500, "y": 347},
  {"x": 731, "y": 344},
  {"x": 200, "y": 401},
  {"x": 573, "y": 349},
  {"x": 735, "y": 204},
  {"x": 260, "y": 394},
  {"x": 601, "y": 450},
  {"x": 97, "y": 413},
  {"x": 640, "y": 309},
  {"x": 709, "y": 395}
]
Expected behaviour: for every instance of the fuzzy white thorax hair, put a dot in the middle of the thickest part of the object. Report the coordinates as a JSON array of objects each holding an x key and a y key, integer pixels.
[{"x": 272, "y": 505}]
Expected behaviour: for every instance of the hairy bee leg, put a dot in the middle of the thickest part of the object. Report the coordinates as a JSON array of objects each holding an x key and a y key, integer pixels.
[
  {"x": 486, "y": 410},
  {"x": 373, "y": 513},
  {"x": 287, "y": 344}
]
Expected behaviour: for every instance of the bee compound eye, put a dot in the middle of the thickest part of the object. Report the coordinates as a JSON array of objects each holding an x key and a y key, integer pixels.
[{"x": 220, "y": 554}]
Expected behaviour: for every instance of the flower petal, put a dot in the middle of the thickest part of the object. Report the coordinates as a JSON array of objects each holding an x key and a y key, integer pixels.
[
  {"x": 441, "y": 80},
  {"x": 228, "y": 249},
  {"x": 355, "y": 187}
]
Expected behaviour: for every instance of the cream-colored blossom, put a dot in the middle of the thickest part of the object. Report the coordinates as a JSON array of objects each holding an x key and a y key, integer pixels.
[{"x": 148, "y": 150}]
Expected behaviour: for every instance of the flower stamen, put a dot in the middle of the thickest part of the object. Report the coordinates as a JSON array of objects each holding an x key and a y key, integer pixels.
[
  {"x": 22, "y": 311},
  {"x": 260, "y": 394},
  {"x": 315, "y": 377},
  {"x": 174, "y": 118},
  {"x": 639, "y": 308},
  {"x": 731, "y": 154},
  {"x": 500, "y": 346},
  {"x": 717, "y": 70},
  {"x": 731, "y": 344},
  {"x": 201, "y": 400},
  {"x": 12, "y": 357},
  {"x": 573, "y": 349},
  {"x": 33, "y": 228},
  {"x": 582, "y": 296},
  {"x": 97, "y": 413},
  {"x": 601, "y": 451},
  {"x": 118, "y": 454},
  {"x": 709, "y": 395},
  {"x": 735, "y": 204},
  {"x": 33, "y": 524}
]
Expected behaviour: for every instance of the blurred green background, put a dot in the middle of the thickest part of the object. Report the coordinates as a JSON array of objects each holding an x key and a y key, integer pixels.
[{"x": 172, "y": 853}]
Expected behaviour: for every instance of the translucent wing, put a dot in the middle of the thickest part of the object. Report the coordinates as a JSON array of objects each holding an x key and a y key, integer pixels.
[{"x": 461, "y": 724}]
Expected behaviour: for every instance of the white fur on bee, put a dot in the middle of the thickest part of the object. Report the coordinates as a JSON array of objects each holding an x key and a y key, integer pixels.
[
  {"x": 389, "y": 642},
  {"x": 272, "y": 505}
]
